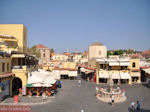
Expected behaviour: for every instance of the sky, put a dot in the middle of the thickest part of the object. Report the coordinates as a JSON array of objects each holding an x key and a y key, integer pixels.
[{"x": 66, "y": 25}]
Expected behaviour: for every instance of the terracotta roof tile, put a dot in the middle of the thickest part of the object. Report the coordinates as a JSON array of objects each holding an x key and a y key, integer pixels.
[
  {"x": 70, "y": 69},
  {"x": 40, "y": 46}
]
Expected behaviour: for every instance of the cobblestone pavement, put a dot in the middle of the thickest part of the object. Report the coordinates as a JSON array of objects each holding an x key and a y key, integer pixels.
[{"x": 72, "y": 99}]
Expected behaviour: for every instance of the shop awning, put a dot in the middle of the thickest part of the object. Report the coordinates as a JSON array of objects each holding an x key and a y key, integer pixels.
[
  {"x": 135, "y": 74},
  {"x": 147, "y": 70},
  {"x": 29, "y": 85},
  {"x": 124, "y": 63},
  {"x": 36, "y": 85},
  {"x": 64, "y": 72},
  {"x": 73, "y": 73},
  {"x": 18, "y": 56},
  {"x": 103, "y": 75},
  {"x": 114, "y": 63},
  {"x": 87, "y": 72},
  {"x": 115, "y": 76},
  {"x": 82, "y": 69},
  {"x": 46, "y": 85},
  {"x": 124, "y": 75},
  {"x": 6, "y": 75}
]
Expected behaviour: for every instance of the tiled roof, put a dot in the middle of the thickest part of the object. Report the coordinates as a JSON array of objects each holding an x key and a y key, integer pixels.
[
  {"x": 40, "y": 46},
  {"x": 97, "y": 44},
  {"x": 90, "y": 68},
  {"x": 135, "y": 55},
  {"x": 70, "y": 69},
  {"x": 145, "y": 52}
]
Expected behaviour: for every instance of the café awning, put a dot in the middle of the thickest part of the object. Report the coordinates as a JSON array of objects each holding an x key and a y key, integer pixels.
[
  {"x": 73, "y": 73},
  {"x": 103, "y": 75},
  {"x": 115, "y": 76},
  {"x": 147, "y": 70},
  {"x": 18, "y": 56},
  {"x": 115, "y": 63},
  {"x": 124, "y": 75},
  {"x": 124, "y": 63},
  {"x": 6, "y": 75},
  {"x": 135, "y": 74}
]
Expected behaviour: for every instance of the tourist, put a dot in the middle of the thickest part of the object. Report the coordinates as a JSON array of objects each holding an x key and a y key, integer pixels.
[
  {"x": 112, "y": 99},
  {"x": 118, "y": 88},
  {"x": 79, "y": 83},
  {"x": 112, "y": 92},
  {"x": 43, "y": 96},
  {"x": 97, "y": 90},
  {"x": 123, "y": 92},
  {"x": 60, "y": 84},
  {"x": 132, "y": 105},
  {"x": 148, "y": 83},
  {"x": 101, "y": 91},
  {"x": 52, "y": 92},
  {"x": 82, "y": 110},
  {"x": 138, "y": 106}
]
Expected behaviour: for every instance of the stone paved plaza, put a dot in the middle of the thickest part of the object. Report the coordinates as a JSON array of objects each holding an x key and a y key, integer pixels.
[{"x": 72, "y": 99}]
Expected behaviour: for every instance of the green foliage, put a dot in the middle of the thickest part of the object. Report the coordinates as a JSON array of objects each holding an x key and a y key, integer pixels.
[
  {"x": 109, "y": 53},
  {"x": 34, "y": 51},
  {"x": 119, "y": 52}
]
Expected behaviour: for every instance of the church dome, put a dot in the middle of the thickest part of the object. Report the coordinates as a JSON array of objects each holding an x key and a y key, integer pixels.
[{"x": 97, "y": 44}]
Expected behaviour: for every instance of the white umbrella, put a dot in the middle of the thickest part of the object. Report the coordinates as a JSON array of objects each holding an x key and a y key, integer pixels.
[
  {"x": 49, "y": 80},
  {"x": 34, "y": 79},
  {"x": 37, "y": 85},
  {"x": 46, "y": 85}
]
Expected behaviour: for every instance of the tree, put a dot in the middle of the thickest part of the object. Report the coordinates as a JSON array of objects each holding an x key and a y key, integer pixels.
[{"x": 34, "y": 51}]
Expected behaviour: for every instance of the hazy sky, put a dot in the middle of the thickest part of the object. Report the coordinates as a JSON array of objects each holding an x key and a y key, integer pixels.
[{"x": 70, "y": 24}]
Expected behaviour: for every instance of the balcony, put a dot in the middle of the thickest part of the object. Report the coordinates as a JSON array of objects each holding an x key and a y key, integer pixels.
[{"x": 23, "y": 68}]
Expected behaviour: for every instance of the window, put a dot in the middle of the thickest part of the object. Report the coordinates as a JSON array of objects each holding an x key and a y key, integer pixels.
[
  {"x": 3, "y": 67},
  {"x": 121, "y": 67},
  {"x": 99, "y": 52},
  {"x": 109, "y": 67},
  {"x": 101, "y": 66},
  {"x": 7, "y": 66},
  {"x": 133, "y": 64},
  {"x": 44, "y": 55},
  {"x": 43, "y": 50}
]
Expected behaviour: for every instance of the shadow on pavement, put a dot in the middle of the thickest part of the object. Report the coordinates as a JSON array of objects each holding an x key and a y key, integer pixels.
[
  {"x": 146, "y": 85},
  {"x": 142, "y": 110}
]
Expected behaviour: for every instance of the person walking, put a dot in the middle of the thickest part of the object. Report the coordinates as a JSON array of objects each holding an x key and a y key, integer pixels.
[
  {"x": 82, "y": 110},
  {"x": 97, "y": 90},
  {"x": 132, "y": 106},
  {"x": 112, "y": 99},
  {"x": 101, "y": 91},
  {"x": 138, "y": 106},
  {"x": 44, "y": 96},
  {"x": 79, "y": 83},
  {"x": 123, "y": 92}
]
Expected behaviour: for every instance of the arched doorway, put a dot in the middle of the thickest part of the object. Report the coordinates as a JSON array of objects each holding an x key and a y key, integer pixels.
[{"x": 16, "y": 85}]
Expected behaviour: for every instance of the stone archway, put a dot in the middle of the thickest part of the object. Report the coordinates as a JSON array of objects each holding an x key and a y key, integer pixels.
[{"x": 16, "y": 85}]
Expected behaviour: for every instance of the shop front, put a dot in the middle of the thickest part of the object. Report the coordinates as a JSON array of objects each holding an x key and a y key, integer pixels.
[{"x": 4, "y": 90}]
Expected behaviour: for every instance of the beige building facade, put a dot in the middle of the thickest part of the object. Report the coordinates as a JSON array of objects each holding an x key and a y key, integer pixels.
[
  {"x": 122, "y": 70},
  {"x": 96, "y": 51},
  {"x": 45, "y": 55},
  {"x": 18, "y": 31}
]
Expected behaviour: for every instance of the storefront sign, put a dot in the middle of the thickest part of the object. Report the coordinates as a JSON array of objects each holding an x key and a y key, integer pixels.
[{"x": 4, "y": 108}]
